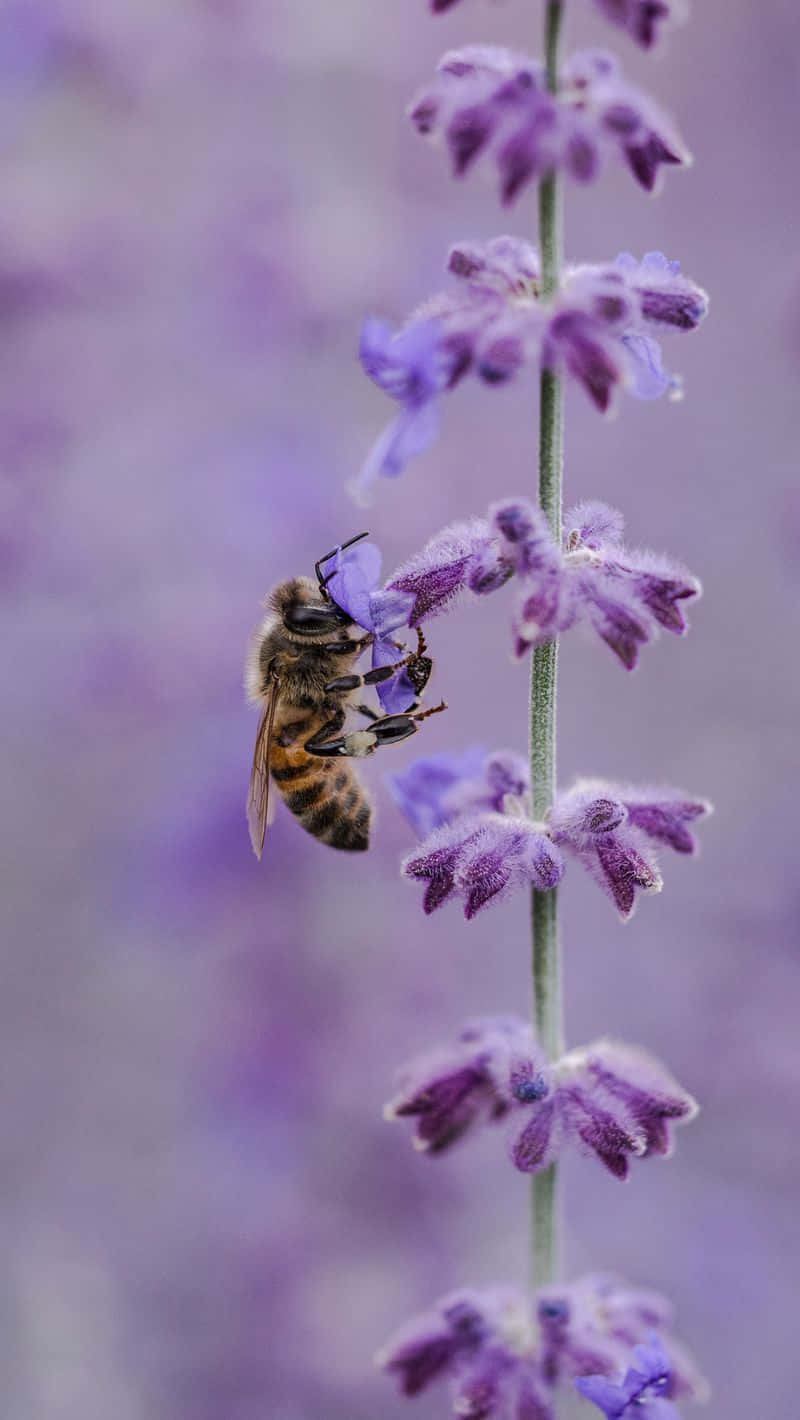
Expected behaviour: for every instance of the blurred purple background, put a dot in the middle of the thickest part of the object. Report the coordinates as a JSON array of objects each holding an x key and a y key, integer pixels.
[{"x": 205, "y": 1215}]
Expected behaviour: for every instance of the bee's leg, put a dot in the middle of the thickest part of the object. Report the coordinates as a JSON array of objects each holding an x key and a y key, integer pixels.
[
  {"x": 367, "y": 711},
  {"x": 331, "y": 727},
  {"x": 341, "y": 648},
  {"x": 360, "y": 743},
  {"x": 376, "y": 676}
]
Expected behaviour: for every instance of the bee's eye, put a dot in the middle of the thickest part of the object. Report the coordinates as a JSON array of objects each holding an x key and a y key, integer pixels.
[{"x": 311, "y": 620}]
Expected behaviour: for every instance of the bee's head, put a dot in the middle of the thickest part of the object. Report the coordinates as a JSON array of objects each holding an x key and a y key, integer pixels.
[{"x": 308, "y": 614}]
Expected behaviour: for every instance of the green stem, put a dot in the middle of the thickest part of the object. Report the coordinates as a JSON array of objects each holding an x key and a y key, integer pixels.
[{"x": 548, "y": 1013}]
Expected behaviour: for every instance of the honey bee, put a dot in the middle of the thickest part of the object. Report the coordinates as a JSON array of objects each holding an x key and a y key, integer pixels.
[{"x": 300, "y": 671}]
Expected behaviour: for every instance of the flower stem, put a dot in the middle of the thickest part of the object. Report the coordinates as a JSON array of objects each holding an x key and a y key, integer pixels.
[{"x": 544, "y": 906}]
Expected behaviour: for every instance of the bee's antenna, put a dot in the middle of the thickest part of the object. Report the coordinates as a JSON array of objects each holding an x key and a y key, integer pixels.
[{"x": 323, "y": 581}]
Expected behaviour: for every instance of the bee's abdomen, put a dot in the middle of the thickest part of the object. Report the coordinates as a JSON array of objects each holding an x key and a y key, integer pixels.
[{"x": 325, "y": 795}]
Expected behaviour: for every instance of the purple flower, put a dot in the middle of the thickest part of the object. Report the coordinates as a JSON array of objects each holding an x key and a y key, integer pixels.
[
  {"x": 642, "y": 1393},
  {"x": 483, "y": 1342},
  {"x": 481, "y": 844},
  {"x": 643, "y": 20},
  {"x": 435, "y": 789},
  {"x": 412, "y": 367},
  {"x": 354, "y": 586},
  {"x": 507, "y": 1353},
  {"x": 450, "y": 1092},
  {"x": 422, "y": 792},
  {"x": 490, "y": 101},
  {"x": 479, "y": 858},
  {"x": 609, "y": 1099},
  {"x": 625, "y": 596},
  {"x": 665, "y": 297},
  {"x": 609, "y": 828},
  {"x": 596, "y": 330},
  {"x": 434, "y": 1344},
  {"x": 446, "y": 566}
]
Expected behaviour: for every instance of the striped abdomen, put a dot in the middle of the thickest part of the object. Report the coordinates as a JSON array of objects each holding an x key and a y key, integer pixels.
[{"x": 324, "y": 794}]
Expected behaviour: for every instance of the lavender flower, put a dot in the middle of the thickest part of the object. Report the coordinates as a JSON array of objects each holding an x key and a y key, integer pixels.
[
  {"x": 464, "y": 555},
  {"x": 482, "y": 1341},
  {"x": 422, "y": 792},
  {"x": 354, "y": 586},
  {"x": 607, "y": 828},
  {"x": 411, "y": 366},
  {"x": 495, "y": 322},
  {"x": 642, "y": 1393},
  {"x": 506, "y": 1353},
  {"x": 482, "y": 844},
  {"x": 434, "y": 790},
  {"x": 626, "y": 597},
  {"x": 643, "y": 20},
  {"x": 489, "y": 101},
  {"x": 481, "y": 857},
  {"x": 450, "y": 1092},
  {"x": 609, "y": 1099}
]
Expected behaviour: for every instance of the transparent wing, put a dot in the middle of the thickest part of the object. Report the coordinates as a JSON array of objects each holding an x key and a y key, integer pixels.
[{"x": 258, "y": 795}]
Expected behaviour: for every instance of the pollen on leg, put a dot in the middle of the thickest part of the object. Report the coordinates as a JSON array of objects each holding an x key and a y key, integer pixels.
[{"x": 361, "y": 743}]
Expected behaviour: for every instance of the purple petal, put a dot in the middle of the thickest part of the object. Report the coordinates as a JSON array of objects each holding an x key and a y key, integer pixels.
[
  {"x": 507, "y": 774},
  {"x": 389, "y": 610},
  {"x": 436, "y": 862},
  {"x": 436, "y": 575},
  {"x": 410, "y": 433},
  {"x": 357, "y": 572},
  {"x": 607, "y": 1397},
  {"x": 593, "y": 525},
  {"x": 613, "y": 613},
  {"x": 419, "y": 1356},
  {"x": 659, "y": 584},
  {"x": 468, "y": 133},
  {"x": 625, "y": 871},
  {"x": 543, "y": 865},
  {"x": 484, "y": 872},
  {"x": 422, "y": 790},
  {"x": 489, "y": 570},
  {"x": 651, "y": 1098},
  {"x": 649, "y": 379},
  {"x": 665, "y": 818},
  {"x": 579, "y": 342},
  {"x": 589, "y": 808},
  {"x": 406, "y": 364},
  {"x": 599, "y": 1130},
  {"x": 397, "y": 694},
  {"x": 537, "y": 1145},
  {"x": 503, "y": 264},
  {"x": 448, "y": 1107},
  {"x": 646, "y": 157}
]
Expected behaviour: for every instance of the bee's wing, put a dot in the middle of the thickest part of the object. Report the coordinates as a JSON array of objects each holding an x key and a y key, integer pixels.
[{"x": 258, "y": 796}]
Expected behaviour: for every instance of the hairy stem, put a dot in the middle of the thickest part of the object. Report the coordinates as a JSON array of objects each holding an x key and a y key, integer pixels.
[{"x": 544, "y": 905}]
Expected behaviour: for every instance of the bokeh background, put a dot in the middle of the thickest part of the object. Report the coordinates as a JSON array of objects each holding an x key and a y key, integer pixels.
[{"x": 204, "y": 1215}]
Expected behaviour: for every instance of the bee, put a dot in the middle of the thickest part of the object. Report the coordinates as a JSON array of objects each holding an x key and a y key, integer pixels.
[{"x": 300, "y": 671}]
